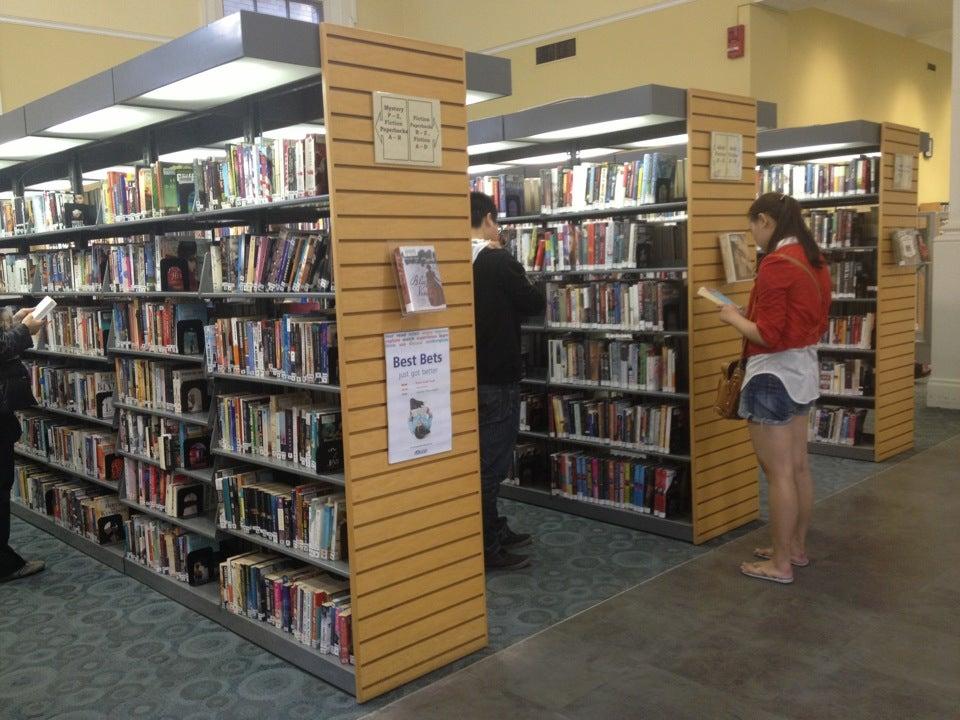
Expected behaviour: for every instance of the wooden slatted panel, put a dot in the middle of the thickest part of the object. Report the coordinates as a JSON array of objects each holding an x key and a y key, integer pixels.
[
  {"x": 724, "y": 469},
  {"x": 896, "y": 302},
  {"x": 415, "y": 532}
]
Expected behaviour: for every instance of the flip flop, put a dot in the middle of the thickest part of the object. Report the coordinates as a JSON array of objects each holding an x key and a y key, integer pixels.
[
  {"x": 764, "y": 576},
  {"x": 764, "y": 556}
]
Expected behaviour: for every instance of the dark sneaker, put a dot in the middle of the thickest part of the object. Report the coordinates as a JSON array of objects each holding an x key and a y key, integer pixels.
[
  {"x": 505, "y": 561},
  {"x": 514, "y": 540},
  {"x": 30, "y": 567}
]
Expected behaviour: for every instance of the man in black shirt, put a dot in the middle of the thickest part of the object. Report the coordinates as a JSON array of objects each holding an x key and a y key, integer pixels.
[{"x": 502, "y": 295}]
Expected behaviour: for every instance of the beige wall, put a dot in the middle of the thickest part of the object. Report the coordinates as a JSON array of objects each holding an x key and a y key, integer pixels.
[{"x": 69, "y": 40}]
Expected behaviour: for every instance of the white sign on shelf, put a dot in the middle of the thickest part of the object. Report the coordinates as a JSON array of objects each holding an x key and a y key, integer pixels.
[
  {"x": 406, "y": 130},
  {"x": 726, "y": 156},
  {"x": 419, "y": 421},
  {"x": 903, "y": 172}
]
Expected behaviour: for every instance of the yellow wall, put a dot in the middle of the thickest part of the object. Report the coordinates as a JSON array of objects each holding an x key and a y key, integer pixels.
[
  {"x": 35, "y": 61},
  {"x": 822, "y": 68}
]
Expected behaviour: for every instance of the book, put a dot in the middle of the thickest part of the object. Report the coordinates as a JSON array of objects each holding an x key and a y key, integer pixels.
[
  {"x": 651, "y": 301},
  {"x": 418, "y": 279},
  {"x": 739, "y": 257},
  {"x": 821, "y": 180},
  {"x": 905, "y": 248},
  {"x": 715, "y": 296}
]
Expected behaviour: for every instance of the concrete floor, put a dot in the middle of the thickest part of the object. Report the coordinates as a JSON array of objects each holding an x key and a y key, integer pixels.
[{"x": 870, "y": 630}]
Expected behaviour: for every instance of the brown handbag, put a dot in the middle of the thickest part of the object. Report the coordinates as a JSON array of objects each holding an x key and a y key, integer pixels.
[{"x": 731, "y": 373}]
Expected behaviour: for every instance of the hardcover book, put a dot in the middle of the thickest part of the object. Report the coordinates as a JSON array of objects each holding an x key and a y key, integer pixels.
[{"x": 739, "y": 258}]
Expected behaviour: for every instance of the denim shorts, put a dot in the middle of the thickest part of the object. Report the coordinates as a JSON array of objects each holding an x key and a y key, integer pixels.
[{"x": 765, "y": 400}]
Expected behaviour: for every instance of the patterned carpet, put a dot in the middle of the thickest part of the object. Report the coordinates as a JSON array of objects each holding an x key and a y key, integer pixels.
[{"x": 83, "y": 642}]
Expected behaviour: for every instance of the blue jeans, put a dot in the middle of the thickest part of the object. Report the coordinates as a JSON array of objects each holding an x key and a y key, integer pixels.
[
  {"x": 765, "y": 400},
  {"x": 499, "y": 414}
]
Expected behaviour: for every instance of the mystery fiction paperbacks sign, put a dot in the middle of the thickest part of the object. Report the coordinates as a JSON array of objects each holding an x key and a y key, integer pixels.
[
  {"x": 406, "y": 130},
  {"x": 418, "y": 394}
]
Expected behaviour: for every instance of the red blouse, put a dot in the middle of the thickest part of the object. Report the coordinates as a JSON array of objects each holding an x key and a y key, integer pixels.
[{"x": 784, "y": 302}]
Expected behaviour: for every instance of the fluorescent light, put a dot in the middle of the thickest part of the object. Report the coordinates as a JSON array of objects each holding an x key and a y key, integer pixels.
[
  {"x": 188, "y": 156},
  {"x": 808, "y": 150},
  {"x": 494, "y": 146},
  {"x": 659, "y": 142},
  {"x": 32, "y": 147},
  {"x": 541, "y": 159},
  {"x": 594, "y": 153},
  {"x": 488, "y": 167},
  {"x": 599, "y": 128},
  {"x": 224, "y": 83},
  {"x": 843, "y": 158},
  {"x": 6, "y": 195},
  {"x": 51, "y": 186},
  {"x": 102, "y": 173},
  {"x": 294, "y": 132},
  {"x": 112, "y": 121},
  {"x": 475, "y": 96},
  {"x": 7, "y": 163}
]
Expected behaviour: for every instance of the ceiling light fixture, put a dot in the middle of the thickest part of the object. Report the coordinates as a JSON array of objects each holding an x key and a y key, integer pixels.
[
  {"x": 32, "y": 147},
  {"x": 488, "y": 147},
  {"x": 112, "y": 120},
  {"x": 600, "y": 128},
  {"x": 486, "y": 167},
  {"x": 552, "y": 158},
  {"x": 667, "y": 141},
  {"x": 808, "y": 150}
]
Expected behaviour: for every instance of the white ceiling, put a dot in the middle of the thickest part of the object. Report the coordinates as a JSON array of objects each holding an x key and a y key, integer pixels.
[{"x": 927, "y": 21}]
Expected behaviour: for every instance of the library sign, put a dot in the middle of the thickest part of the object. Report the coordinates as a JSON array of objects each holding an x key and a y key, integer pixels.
[
  {"x": 726, "y": 156},
  {"x": 419, "y": 421},
  {"x": 406, "y": 130}
]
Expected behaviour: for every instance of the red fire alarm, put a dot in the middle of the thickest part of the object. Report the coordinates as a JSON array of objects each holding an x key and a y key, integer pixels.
[{"x": 736, "y": 37}]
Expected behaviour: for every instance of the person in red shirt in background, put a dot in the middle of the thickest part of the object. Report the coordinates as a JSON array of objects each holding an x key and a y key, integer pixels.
[{"x": 787, "y": 314}]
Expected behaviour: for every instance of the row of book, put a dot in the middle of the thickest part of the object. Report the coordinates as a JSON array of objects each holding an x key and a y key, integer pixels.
[
  {"x": 616, "y": 305},
  {"x": 88, "y": 510},
  {"x": 841, "y": 228},
  {"x": 37, "y": 212},
  {"x": 310, "y": 517},
  {"x": 837, "y": 425},
  {"x": 849, "y": 279},
  {"x": 168, "y": 443},
  {"x": 16, "y": 275},
  {"x": 297, "y": 599},
  {"x": 654, "y": 178},
  {"x": 263, "y": 171},
  {"x": 821, "y": 180},
  {"x": 170, "y": 550},
  {"x": 851, "y": 376},
  {"x": 618, "y": 422},
  {"x": 599, "y": 245},
  {"x": 296, "y": 347},
  {"x": 290, "y": 261},
  {"x": 86, "y": 392},
  {"x": 80, "y": 448},
  {"x": 613, "y": 363},
  {"x": 850, "y": 331},
  {"x": 157, "y": 385},
  {"x": 80, "y": 330},
  {"x": 175, "y": 495},
  {"x": 291, "y": 427},
  {"x": 162, "y": 327}
]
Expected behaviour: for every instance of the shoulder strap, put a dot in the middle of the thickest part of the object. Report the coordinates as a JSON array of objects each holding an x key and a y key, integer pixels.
[{"x": 807, "y": 271}]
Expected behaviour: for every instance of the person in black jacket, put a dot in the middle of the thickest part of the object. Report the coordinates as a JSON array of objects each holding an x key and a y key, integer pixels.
[
  {"x": 502, "y": 296},
  {"x": 15, "y": 394}
]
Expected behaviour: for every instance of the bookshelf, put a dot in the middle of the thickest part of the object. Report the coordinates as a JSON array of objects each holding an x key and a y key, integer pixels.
[
  {"x": 717, "y": 458},
  {"x": 415, "y": 565},
  {"x": 892, "y": 349}
]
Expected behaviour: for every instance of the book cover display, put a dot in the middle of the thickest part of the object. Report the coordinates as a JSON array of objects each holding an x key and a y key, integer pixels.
[
  {"x": 418, "y": 279},
  {"x": 739, "y": 258}
]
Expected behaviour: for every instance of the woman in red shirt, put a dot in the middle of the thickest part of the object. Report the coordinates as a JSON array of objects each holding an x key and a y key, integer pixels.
[{"x": 787, "y": 314}]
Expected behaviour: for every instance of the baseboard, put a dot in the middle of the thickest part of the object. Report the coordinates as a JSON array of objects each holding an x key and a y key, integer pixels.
[{"x": 943, "y": 393}]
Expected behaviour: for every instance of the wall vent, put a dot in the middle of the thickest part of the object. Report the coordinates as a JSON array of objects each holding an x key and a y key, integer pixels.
[{"x": 556, "y": 51}]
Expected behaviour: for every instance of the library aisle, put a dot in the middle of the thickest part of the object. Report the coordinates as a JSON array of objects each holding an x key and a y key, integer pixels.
[
  {"x": 871, "y": 630},
  {"x": 117, "y": 648}
]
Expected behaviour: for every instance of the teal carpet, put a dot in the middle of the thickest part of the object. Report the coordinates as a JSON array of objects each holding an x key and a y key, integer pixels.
[{"x": 83, "y": 642}]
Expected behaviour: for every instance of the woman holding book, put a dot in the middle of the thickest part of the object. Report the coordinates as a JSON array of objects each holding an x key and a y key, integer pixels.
[
  {"x": 786, "y": 316},
  {"x": 15, "y": 394}
]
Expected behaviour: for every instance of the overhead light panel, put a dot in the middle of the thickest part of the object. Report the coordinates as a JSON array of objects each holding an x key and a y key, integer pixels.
[
  {"x": 102, "y": 173},
  {"x": 32, "y": 147},
  {"x": 666, "y": 141},
  {"x": 224, "y": 83},
  {"x": 843, "y": 158},
  {"x": 600, "y": 128},
  {"x": 294, "y": 132},
  {"x": 112, "y": 120},
  {"x": 51, "y": 186},
  {"x": 808, "y": 150},
  {"x": 487, "y": 167},
  {"x": 550, "y": 159},
  {"x": 481, "y": 148},
  {"x": 590, "y": 153},
  {"x": 7, "y": 163},
  {"x": 188, "y": 156},
  {"x": 475, "y": 96}
]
